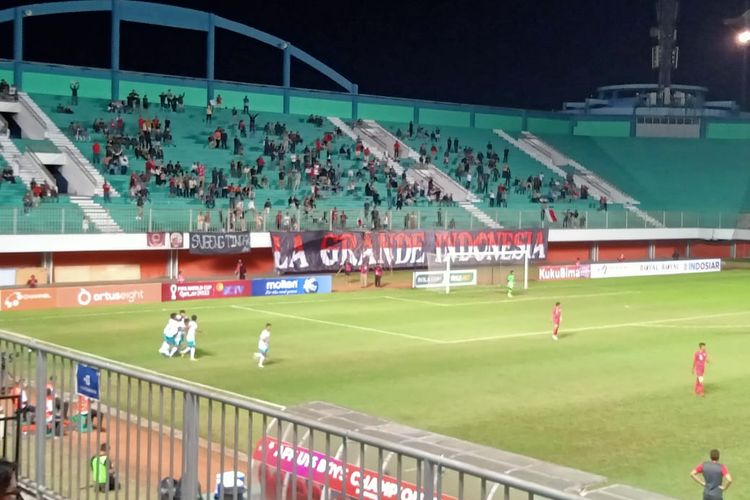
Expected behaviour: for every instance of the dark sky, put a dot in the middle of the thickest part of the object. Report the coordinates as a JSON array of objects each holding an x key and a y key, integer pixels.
[{"x": 516, "y": 53}]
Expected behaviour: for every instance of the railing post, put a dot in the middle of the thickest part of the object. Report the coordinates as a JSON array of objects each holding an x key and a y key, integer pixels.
[
  {"x": 429, "y": 480},
  {"x": 190, "y": 412},
  {"x": 62, "y": 221},
  {"x": 15, "y": 221},
  {"x": 719, "y": 220},
  {"x": 626, "y": 219},
  {"x": 664, "y": 218},
  {"x": 587, "y": 219},
  {"x": 40, "y": 434},
  {"x": 190, "y": 222},
  {"x": 150, "y": 219},
  {"x": 682, "y": 219},
  {"x": 520, "y": 219}
]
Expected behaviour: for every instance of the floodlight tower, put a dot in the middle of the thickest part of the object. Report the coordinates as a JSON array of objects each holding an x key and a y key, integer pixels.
[{"x": 665, "y": 55}]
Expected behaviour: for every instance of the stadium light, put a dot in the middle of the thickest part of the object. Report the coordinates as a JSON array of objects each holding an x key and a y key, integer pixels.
[{"x": 743, "y": 37}]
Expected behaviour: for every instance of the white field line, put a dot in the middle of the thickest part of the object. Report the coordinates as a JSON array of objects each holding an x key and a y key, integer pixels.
[
  {"x": 590, "y": 328},
  {"x": 510, "y": 301},
  {"x": 109, "y": 362},
  {"x": 342, "y": 325},
  {"x": 703, "y": 327},
  {"x": 179, "y": 305}
]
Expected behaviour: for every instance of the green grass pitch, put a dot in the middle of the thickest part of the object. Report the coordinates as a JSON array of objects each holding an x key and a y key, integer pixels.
[{"x": 613, "y": 396}]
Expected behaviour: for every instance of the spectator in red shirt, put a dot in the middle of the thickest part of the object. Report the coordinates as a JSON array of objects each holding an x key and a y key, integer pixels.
[
  {"x": 378, "y": 276},
  {"x": 180, "y": 277},
  {"x": 96, "y": 151},
  {"x": 397, "y": 150},
  {"x": 106, "y": 188},
  {"x": 32, "y": 281}
]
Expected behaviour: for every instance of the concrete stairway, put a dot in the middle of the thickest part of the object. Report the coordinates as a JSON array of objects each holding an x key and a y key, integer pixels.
[
  {"x": 380, "y": 142},
  {"x": 97, "y": 214},
  {"x": 553, "y": 159},
  {"x": 23, "y": 164},
  {"x": 65, "y": 145}
]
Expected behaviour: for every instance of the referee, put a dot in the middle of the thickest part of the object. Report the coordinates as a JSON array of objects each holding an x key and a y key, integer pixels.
[{"x": 716, "y": 478}]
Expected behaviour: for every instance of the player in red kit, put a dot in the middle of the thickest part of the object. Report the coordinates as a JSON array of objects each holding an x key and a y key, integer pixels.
[
  {"x": 700, "y": 358},
  {"x": 556, "y": 318}
]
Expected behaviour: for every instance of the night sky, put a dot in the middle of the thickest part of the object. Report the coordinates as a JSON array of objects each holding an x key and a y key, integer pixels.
[{"x": 515, "y": 53}]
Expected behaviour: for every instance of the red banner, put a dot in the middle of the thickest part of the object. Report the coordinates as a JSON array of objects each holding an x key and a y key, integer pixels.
[
  {"x": 204, "y": 290},
  {"x": 316, "y": 251},
  {"x": 346, "y": 479},
  {"x": 28, "y": 298}
]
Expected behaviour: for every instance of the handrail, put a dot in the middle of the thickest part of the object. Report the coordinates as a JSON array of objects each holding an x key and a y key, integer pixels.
[
  {"x": 94, "y": 181},
  {"x": 22, "y": 98},
  {"x": 224, "y": 397},
  {"x": 40, "y": 167}
]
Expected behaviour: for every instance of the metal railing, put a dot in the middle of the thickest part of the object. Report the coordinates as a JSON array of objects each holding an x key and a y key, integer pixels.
[
  {"x": 51, "y": 217},
  {"x": 157, "y": 427}
]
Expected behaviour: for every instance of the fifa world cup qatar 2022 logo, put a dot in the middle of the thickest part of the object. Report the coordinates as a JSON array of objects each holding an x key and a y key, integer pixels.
[{"x": 173, "y": 292}]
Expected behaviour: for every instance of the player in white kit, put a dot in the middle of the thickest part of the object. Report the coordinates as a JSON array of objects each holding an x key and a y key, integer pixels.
[
  {"x": 263, "y": 344},
  {"x": 170, "y": 332},
  {"x": 191, "y": 327}
]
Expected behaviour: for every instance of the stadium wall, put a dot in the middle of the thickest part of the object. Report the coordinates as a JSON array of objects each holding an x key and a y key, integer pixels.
[{"x": 157, "y": 264}]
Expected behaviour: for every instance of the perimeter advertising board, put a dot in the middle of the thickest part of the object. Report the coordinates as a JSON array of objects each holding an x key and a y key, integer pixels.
[
  {"x": 311, "y": 468},
  {"x": 655, "y": 268},
  {"x": 301, "y": 285},
  {"x": 204, "y": 290}
]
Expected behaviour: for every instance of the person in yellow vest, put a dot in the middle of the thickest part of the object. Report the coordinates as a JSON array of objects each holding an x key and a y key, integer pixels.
[{"x": 103, "y": 471}]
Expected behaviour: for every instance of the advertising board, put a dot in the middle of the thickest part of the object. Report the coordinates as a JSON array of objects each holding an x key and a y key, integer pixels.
[
  {"x": 109, "y": 295},
  {"x": 204, "y": 290},
  {"x": 654, "y": 268},
  {"x": 291, "y": 286},
  {"x": 28, "y": 298},
  {"x": 573, "y": 272},
  {"x": 434, "y": 279},
  {"x": 344, "y": 479}
]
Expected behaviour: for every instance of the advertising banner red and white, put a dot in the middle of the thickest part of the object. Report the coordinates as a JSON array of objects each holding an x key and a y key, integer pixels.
[
  {"x": 204, "y": 290},
  {"x": 573, "y": 272},
  {"x": 342, "y": 478}
]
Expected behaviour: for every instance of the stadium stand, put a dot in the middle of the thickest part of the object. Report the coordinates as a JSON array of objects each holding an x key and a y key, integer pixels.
[
  {"x": 698, "y": 175},
  {"x": 192, "y": 142},
  {"x": 530, "y": 186}
]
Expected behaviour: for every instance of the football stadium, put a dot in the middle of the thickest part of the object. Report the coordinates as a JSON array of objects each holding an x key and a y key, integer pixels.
[{"x": 229, "y": 288}]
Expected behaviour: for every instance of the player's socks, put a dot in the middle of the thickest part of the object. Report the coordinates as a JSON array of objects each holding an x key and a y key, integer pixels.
[
  {"x": 192, "y": 353},
  {"x": 172, "y": 351}
]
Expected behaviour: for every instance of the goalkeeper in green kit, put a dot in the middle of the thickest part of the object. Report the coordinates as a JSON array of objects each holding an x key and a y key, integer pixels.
[{"x": 511, "y": 283}]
